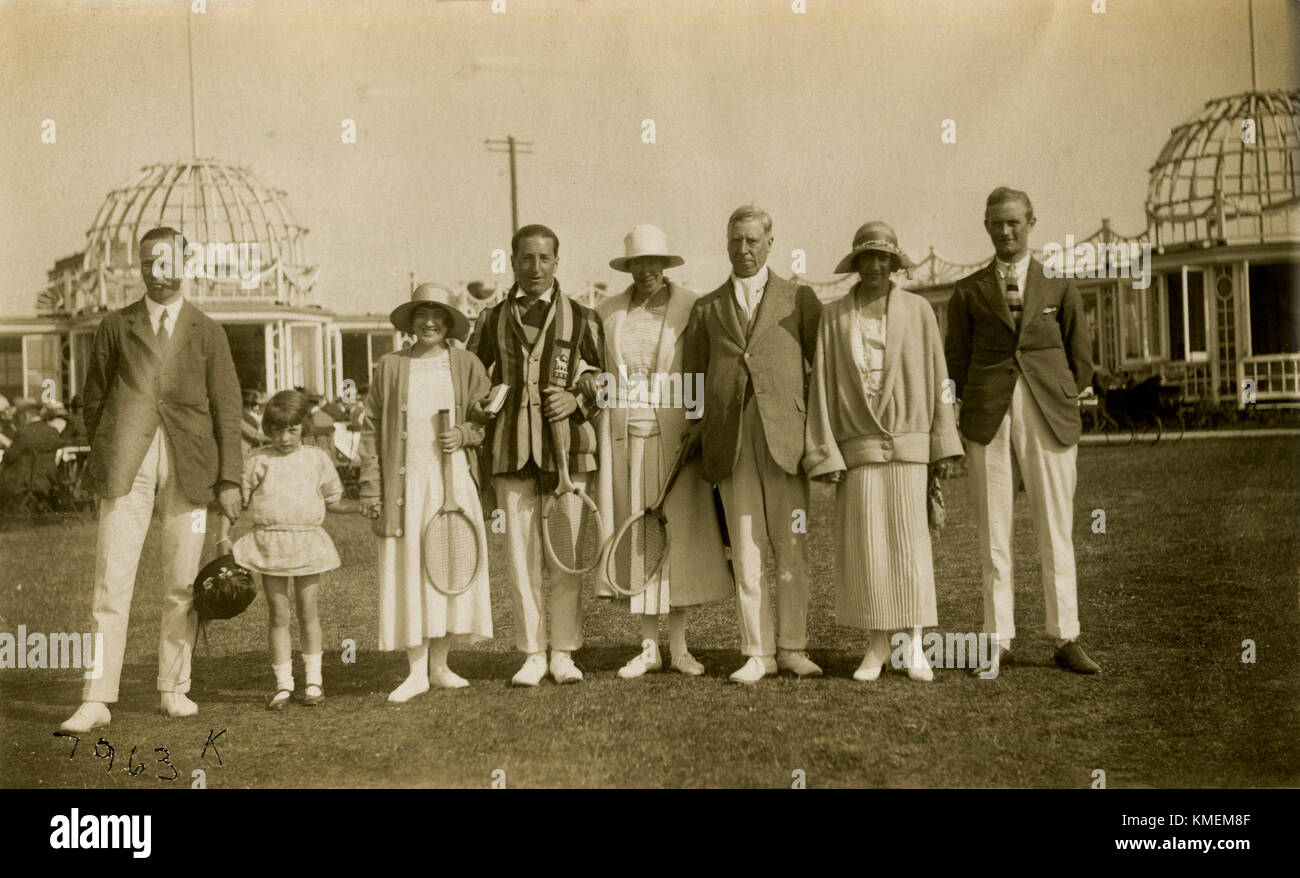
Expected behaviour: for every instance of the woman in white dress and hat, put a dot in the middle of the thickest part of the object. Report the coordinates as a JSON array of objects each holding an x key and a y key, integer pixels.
[
  {"x": 646, "y": 408},
  {"x": 402, "y": 486},
  {"x": 878, "y": 420}
]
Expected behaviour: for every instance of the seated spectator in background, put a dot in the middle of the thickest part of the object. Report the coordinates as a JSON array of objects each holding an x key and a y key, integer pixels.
[
  {"x": 75, "y": 433},
  {"x": 57, "y": 417},
  {"x": 29, "y": 462},
  {"x": 250, "y": 428}
]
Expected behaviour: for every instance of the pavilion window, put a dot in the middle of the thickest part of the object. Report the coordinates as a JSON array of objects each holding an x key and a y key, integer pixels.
[
  {"x": 43, "y": 363},
  {"x": 1140, "y": 324},
  {"x": 11, "y": 367},
  {"x": 1274, "y": 309},
  {"x": 1185, "y": 302}
]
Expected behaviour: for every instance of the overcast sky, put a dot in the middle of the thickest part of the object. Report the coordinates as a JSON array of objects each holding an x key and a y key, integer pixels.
[{"x": 826, "y": 119}]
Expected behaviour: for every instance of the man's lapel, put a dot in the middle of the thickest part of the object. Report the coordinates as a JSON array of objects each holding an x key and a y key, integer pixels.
[
  {"x": 187, "y": 323},
  {"x": 137, "y": 315},
  {"x": 994, "y": 298},
  {"x": 512, "y": 317},
  {"x": 1033, "y": 295},
  {"x": 778, "y": 299},
  {"x": 728, "y": 312}
]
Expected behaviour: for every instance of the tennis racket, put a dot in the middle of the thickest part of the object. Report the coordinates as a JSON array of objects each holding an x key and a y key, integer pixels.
[
  {"x": 641, "y": 543},
  {"x": 450, "y": 545},
  {"x": 571, "y": 525}
]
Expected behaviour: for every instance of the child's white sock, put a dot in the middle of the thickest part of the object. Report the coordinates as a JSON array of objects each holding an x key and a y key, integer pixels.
[
  {"x": 311, "y": 665},
  {"x": 283, "y": 676}
]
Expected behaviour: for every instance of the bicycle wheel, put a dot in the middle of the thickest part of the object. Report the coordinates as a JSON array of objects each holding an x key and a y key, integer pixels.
[{"x": 1147, "y": 428}]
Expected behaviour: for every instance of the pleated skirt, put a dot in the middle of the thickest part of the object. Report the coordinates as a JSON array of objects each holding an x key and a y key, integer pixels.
[
  {"x": 647, "y": 478},
  {"x": 884, "y": 564}
]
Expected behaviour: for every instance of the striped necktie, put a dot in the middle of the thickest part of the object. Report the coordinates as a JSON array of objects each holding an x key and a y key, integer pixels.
[{"x": 1015, "y": 300}]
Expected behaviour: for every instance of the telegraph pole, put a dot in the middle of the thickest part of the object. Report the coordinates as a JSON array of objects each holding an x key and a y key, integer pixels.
[{"x": 513, "y": 147}]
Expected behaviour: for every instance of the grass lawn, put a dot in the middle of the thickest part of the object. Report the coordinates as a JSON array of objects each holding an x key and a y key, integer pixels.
[{"x": 1200, "y": 554}]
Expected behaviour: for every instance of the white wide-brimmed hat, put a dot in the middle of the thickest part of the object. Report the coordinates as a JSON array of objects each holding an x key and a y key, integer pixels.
[
  {"x": 431, "y": 294},
  {"x": 645, "y": 240}
]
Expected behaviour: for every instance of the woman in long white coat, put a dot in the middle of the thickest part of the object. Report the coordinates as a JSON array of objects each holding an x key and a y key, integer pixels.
[{"x": 645, "y": 413}]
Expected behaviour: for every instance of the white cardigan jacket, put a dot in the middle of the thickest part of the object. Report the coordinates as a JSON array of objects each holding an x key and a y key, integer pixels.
[{"x": 911, "y": 421}]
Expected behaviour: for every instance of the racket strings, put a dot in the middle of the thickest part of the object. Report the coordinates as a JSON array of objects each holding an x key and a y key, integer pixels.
[
  {"x": 638, "y": 553},
  {"x": 453, "y": 550},
  {"x": 573, "y": 532}
]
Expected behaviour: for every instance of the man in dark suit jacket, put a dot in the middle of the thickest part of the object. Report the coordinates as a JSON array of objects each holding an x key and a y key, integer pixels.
[
  {"x": 1019, "y": 352},
  {"x": 162, "y": 411},
  {"x": 753, "y": 340}
]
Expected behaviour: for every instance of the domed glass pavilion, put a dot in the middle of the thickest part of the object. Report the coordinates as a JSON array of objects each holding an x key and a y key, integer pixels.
[
  {"x": 1223, "y": 214},
  {"x": 253, "y": 276}
]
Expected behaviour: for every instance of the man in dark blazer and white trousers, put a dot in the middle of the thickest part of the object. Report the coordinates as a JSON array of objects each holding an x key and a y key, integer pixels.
[
  {"x": 1019, "y": 351},
  {"x": 162, "y": 411},
  {"x": 753, "y": 340}
]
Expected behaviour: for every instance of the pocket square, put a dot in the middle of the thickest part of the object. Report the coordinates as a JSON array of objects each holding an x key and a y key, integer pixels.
[{"x": 1050, "y": 309}]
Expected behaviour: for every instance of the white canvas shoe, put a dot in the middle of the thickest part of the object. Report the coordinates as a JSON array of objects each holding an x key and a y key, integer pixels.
[
  {"x": 90, "y": 715},
  {"x": 177, "y": 704},
  {"x": 647, "y": 660},
  {"x": 685, "y": 663},
  {"x": 755, "y": 669},
  {"x": 562, "y": 667},
  {"x": 532, "y": 672},
  {"x": 446, "y": 678},
  {"x": 413, "y": 685},
  {"x": 797, "y": 662}
]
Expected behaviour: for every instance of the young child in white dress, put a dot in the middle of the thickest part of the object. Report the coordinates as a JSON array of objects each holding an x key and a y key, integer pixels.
[
  {"x": 287, "y": 488},
  {"x": 402, "y": 487}
]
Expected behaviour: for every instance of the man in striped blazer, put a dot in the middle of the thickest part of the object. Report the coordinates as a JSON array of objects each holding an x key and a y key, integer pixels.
[{"x": 548, "y": 349}]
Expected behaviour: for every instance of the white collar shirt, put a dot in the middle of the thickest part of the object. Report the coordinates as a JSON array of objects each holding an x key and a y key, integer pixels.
[
  {"x": 1019, "y": 268},
  {"x": 156, "y": 311},
  {"x": 749, "y": 291}
]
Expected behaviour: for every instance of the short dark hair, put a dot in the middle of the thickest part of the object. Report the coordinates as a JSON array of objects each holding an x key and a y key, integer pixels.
[
  {"x": 288, "y": 408},
  {"x": 533, "y": 231},
  {"x": 159, "y": 234},
  {"x": 1002, "y": 195}
]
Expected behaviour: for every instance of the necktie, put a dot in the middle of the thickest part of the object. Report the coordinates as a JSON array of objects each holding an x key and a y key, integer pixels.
[
  {"x": 162, "y": 326},
  {"x": 1015, "y": 301}
]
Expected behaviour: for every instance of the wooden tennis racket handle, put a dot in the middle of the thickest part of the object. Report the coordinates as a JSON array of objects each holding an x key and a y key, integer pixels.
[
  {"x": 560, "y": 453},
  {"x": 442, "y": 423}
]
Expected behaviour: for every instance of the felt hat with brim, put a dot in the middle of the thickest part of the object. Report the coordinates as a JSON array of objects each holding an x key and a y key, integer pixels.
[
  {"x": 431, "y": 294},
  {"x": 645, "y": 240},
  {"x": 876, "y": 236}
]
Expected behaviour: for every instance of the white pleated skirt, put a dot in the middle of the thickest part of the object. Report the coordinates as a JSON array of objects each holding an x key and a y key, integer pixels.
[{"x": 884, "y": 564}]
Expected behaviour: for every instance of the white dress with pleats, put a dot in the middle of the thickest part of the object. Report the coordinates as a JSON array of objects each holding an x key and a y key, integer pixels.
[{"x": 411, "y": 610}]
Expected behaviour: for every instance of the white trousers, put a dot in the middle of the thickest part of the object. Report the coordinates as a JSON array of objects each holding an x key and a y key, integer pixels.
[
  {"x": 1049, "y": 473},
  {"x": 123, "y": 525},
  {"x": 523, "y": 508},
  {"x": 760, "y": 499}
]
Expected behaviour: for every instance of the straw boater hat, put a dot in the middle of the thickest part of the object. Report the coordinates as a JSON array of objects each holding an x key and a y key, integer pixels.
[
  {"x": 645, "y": 241},
  {"x": 874, "y": 236},
  {"x": 431, "y": 294}
]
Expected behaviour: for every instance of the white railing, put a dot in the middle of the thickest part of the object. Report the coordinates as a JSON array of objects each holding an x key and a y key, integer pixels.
[{"x": 1275, "y": 376}]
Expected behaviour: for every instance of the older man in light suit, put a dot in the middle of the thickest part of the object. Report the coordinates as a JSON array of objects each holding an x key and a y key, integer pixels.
[
  {"x": 162, "y": 412},
  {"x": 1019, "y": 351},
  {"x": 753, "y": 339}
]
